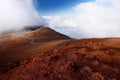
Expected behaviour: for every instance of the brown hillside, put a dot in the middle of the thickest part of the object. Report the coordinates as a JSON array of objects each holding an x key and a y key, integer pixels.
[
  {"x": 45, "y": 34},
  {"x": 85, "y": 59},
  {"x": 19, "y": 45}
]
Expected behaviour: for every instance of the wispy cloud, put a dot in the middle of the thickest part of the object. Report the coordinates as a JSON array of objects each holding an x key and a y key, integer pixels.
[
  {"x": 15, "y": 14},
  {"x": 98, "y": 18}
]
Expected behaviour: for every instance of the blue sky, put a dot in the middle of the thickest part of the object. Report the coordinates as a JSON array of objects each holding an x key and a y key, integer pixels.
[
  {"x": 82, "y": 18},
  {"x": 52, "y": 7},
  {"x": 75, "y": 18}
]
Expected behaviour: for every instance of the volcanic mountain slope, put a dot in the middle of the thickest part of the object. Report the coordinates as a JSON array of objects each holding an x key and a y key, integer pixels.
[
  {"x": 44, "y": 54},
  {"x": 45, "y": 34},
  {"x": 15, "y": 46},
  {"x": 85, "y": 59}
]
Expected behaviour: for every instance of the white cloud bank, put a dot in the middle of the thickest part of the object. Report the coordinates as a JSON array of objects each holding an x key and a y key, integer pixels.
[
  {"x": 100, "y": 18},
  {"x": 15, "y": 14}
]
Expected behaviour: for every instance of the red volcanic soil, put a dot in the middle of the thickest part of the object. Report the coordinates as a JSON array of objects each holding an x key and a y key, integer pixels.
[
  {"x": 86, "y": 59},
  {"x": 58, "y": 57}
]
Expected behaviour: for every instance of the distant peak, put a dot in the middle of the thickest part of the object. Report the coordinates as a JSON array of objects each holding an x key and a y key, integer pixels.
[
  {"x": 45, "y": 28},
  {"x": 45, "y": 34},
  {"x": 31, "y": 28}
]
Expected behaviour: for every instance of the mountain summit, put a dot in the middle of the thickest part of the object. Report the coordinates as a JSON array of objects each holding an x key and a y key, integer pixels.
[{"x": 45, "y": 34}]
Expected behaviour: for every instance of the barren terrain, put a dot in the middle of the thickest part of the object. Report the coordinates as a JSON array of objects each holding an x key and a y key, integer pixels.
[{"x": 54, "y": 56}]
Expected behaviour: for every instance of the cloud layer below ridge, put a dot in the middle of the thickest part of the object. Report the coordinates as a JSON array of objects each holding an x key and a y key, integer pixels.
[{"x": 98, "y": 18}]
